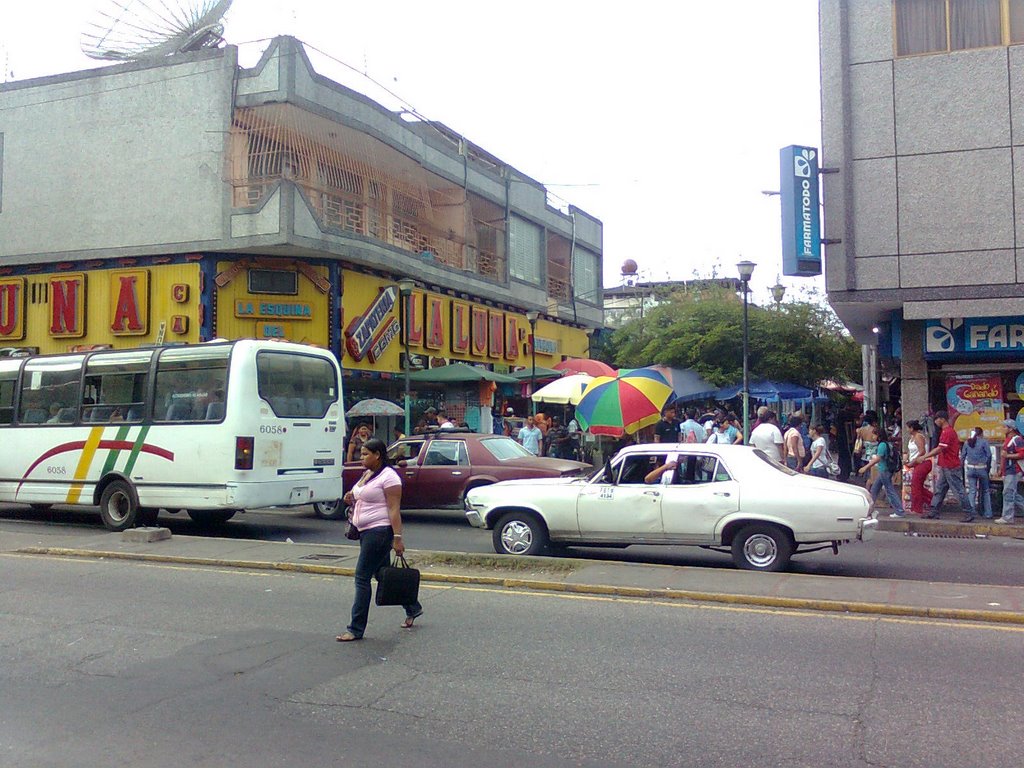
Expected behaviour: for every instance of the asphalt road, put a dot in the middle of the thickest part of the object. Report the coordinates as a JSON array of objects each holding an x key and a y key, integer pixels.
[
  {"x": 888, "y": 555},
  {"x": 113, "y": 663}
]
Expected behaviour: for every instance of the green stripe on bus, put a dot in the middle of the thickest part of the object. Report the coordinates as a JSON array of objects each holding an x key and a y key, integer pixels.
[
  {"x": 122, "y": 433},
  {"x": 136, "y": 449}
]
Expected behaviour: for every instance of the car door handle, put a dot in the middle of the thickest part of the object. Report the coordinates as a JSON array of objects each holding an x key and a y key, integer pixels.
[
  {"x": 456, "y": 473},
  {"x": 722, "y": 493},
  {"x": 652, "y": 493}
]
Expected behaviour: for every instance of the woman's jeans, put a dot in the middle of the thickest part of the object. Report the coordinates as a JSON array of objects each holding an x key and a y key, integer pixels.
[
  {"x": 821, "y": 472},
  {"x": 978, "y": 483},
  {"x": 1011, "y": 496},
  {"x": 883, "y": 481},
  {"x": 374, "y": 554}
]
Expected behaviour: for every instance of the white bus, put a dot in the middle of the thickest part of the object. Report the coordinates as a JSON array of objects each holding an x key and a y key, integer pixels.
[{"x": 211, "y": 429}]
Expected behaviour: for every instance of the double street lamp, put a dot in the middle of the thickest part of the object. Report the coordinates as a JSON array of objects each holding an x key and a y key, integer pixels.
[
  {"x": 746, "y": 270},
  {"x": 405, "y": 286},
  {"x": 532, "y": 316}
]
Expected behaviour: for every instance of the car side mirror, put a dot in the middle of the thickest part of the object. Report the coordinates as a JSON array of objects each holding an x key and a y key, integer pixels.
[{"x": 609, "y": 476}]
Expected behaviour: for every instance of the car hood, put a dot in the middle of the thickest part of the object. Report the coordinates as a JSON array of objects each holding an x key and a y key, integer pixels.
[{"x": 539, "y": 462}]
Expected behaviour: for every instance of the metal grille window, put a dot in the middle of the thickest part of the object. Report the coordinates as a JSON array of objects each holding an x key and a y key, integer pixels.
[
  {"x": 586, "y": 271},
  {"x": 273, "y": 281},
  {"x": 526, "y": 251}
]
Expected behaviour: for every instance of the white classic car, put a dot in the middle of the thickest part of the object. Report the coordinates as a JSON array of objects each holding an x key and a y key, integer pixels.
[{"x": 728, "y": 498}]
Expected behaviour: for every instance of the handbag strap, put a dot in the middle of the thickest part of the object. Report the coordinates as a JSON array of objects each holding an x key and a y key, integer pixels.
[{"x": 400, "y": 562}]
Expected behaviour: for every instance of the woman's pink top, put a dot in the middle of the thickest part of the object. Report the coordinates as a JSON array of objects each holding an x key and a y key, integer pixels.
[{"x": 371, "y": 509}]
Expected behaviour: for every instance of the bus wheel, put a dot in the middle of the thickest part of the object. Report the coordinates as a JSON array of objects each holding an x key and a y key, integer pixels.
[
  {"x": 210, "y": 517},
  {"x": 118, "y": 506},
  {"x": 329, "y": 510}
]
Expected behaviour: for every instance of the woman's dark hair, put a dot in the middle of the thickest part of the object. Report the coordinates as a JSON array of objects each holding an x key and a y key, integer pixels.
[
  {"x": 824, "y": 434},
  {"x": 973, "y": 439},
  {"x": 914, "y": 425},
  {"x": 376, "y": 445}
]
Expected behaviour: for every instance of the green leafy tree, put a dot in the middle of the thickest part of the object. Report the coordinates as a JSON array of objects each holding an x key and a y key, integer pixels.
[{"x": 801, "y": 341}]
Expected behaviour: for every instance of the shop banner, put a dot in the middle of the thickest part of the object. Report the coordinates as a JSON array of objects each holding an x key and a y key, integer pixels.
[{"x": 976, "y": 401}]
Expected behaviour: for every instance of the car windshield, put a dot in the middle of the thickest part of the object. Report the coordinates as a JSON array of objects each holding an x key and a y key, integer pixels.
[
  {"x": 504, "y": 448},
  {"x": 773, "y": 463}
]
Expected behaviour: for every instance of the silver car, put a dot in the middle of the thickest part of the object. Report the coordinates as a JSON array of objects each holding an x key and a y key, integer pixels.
[{"x": 727, "y": 498}]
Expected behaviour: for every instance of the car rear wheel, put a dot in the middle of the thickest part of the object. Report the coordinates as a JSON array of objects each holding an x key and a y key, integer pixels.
[
  {"x": 762, "y": 547},
  {"x": 519, "y": 533},
  {"x": 329, "y": 510}
]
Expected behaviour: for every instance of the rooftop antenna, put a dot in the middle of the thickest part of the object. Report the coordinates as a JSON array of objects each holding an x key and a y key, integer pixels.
[{"x": 129, "y": 30}]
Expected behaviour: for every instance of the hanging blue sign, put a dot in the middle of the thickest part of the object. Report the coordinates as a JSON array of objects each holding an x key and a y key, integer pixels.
[{"x": 801, "y": 214}]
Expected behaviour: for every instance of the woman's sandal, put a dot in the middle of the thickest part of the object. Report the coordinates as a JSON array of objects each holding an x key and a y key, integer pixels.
[
  {"x": 347, "y": 637},
  {"x": 410, "y": 620}
]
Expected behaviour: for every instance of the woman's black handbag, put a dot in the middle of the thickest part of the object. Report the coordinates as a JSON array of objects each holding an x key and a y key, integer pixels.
[
  {"x": 398, "y": 583},
  {"x": 351, "y": 532}
]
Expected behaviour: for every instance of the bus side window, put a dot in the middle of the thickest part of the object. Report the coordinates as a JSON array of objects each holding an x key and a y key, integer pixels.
[
  {"x": 8, "y": 378},
  {"x": 46, "y": 382}
]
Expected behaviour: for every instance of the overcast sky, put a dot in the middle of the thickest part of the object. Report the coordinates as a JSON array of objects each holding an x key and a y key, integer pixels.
[{"x": 662, "y": 119}]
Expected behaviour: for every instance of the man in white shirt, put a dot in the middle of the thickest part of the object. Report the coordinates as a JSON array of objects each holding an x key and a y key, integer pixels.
[{"x": 768, "y": 438}]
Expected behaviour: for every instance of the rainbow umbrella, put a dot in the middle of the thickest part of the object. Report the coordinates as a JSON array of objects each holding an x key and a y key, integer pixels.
[{"x": 618, "y": 405}]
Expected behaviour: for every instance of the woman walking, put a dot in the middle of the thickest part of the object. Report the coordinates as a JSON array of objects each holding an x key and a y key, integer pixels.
[
  {"x": 376, "y": 514},
  {"x": 920, "y": 497},
  {"x": 821, "y": 454},
  {"x": 883, "y": 475}
]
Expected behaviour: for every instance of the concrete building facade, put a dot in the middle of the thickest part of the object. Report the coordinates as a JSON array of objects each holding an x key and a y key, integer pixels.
[
  {"x": 189, "y": 198},
  {"x": 923, "y": 122}
]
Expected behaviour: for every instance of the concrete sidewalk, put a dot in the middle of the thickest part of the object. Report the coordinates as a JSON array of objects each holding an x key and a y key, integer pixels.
[{"x": 881, "y": 597}]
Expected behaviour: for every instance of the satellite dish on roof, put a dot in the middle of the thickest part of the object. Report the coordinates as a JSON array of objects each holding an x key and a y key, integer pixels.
[{"x": 127, "y": 30}]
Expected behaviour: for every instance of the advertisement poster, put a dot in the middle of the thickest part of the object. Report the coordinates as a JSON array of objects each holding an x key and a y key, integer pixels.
[{"x": 976, "y": 401}]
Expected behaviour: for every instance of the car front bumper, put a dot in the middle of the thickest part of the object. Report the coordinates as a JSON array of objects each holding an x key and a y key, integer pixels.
[
  {"x": 866, "y": 529},
  {"x": 474, "y": 517}
]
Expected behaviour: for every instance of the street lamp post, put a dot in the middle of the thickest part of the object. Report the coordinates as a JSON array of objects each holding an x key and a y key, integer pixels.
[
  {"x": 405, "y": 286},
  {"x": 532, "y": 316},
  {"x": 746, "y": 270}
]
